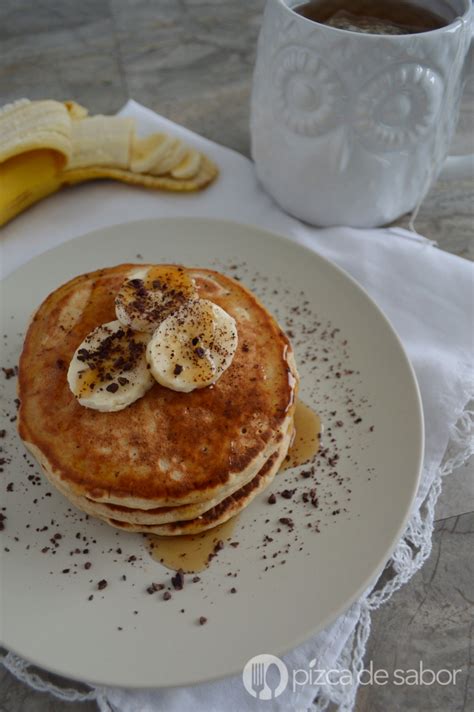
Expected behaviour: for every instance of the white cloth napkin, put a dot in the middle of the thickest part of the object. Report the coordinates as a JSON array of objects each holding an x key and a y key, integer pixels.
[{"x": 428, "y": 296}]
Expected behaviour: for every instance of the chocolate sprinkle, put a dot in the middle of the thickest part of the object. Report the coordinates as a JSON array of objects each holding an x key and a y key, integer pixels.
[
  {"x": 178, "y": 580},
  {"x": 153, "y": 587}
]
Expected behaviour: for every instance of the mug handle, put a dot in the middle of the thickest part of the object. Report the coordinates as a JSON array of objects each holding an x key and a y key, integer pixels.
[{"x": 461, "y": 167}]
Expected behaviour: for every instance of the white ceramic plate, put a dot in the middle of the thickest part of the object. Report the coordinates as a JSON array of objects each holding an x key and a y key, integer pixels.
[{"x": 46, "y": 615}]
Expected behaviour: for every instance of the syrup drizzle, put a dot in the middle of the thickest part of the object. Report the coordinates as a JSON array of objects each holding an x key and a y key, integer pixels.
[
  {"x": 192, "y": 553},
  {"x": 189, "y": 552},
  {"x": 306, "y": 439}
]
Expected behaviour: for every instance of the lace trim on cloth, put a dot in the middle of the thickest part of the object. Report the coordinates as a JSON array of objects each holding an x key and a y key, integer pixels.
[
  {"x": 409, "y": 556},
  {"x": 411, "y": 553}
]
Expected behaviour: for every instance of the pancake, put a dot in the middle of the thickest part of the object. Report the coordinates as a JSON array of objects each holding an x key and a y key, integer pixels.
[
  {"x": 168, "y": 449},
  {"x": 155, "y": 516},
  {"x": 142, "y": 519},
  {"x": 222, "y": 512}
]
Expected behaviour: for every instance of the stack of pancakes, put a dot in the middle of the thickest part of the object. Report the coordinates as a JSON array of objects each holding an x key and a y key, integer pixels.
[{"x": 172, "y": 462}]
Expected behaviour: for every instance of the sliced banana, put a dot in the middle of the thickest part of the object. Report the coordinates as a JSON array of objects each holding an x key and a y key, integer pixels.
[
  {"x": 189, "y": 166},
  {"x": 172, "y": 158},
  {"x": 147, "y": 152},
  {"x": 30, "y": 125},
  {"x": 101, "y": 141},
  {"x": 193, "y": 346},
  {"x": 150, "y": 294},
  {"x": 109, "y": 370}
]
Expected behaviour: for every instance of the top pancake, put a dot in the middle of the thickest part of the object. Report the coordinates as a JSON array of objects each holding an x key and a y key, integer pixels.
[{"x": 168, "y": 448}]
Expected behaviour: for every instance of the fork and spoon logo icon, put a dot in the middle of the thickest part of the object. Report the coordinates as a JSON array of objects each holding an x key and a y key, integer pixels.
[{"x": 265, "y": 676}]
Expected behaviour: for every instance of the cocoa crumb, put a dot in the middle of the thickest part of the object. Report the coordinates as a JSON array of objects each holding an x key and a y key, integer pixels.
[
  {"x": 153, "y": 587},
  {"x": 178, "y": 580}
]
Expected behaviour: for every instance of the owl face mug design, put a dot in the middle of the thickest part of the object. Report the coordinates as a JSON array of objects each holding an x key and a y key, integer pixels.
[{"x": 350, "y": 128}]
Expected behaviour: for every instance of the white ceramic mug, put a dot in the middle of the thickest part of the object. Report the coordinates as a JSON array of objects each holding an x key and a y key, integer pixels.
[{"x": 351, "y": 128}]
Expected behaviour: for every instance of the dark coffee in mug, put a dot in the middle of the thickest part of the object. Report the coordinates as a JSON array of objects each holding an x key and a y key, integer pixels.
[{"x": 381, "y": 17}]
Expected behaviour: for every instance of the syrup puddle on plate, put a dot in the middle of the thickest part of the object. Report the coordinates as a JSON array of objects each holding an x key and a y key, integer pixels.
[
  {"x": 191, "y": 552},
  {"x": 307, "y": 437}
]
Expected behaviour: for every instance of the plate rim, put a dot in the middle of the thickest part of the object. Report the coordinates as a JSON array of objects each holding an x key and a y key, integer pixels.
[{"x": 371, "y": 578}]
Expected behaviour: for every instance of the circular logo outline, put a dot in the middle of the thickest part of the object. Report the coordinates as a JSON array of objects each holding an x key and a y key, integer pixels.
[{"x": 254, "y": 676}]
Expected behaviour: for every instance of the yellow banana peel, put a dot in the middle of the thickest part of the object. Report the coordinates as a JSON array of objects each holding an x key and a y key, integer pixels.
[
  {"x": 27, "y": 178},
  {"x": 45, "y": 145}
]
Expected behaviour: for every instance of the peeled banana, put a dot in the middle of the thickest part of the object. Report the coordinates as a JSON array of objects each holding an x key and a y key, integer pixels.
[
  {"x": 29, "y": 125},
  {"x": 45, "y": 145}
]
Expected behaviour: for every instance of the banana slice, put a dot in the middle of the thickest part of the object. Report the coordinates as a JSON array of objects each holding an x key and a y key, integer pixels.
[
  {"x": 150, "y": 294},
  {"x": 189, "y": 166},
  {"x": 172, "y": 158},
  {"x": 147, "y": 152},
  {"x": 101, "y": 141},
  {"x": 193, "y": 347},
  {"x": 109, "y": 370}
]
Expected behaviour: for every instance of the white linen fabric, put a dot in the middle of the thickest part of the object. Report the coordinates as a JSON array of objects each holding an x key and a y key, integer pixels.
[{"x": 427, "y": 294}]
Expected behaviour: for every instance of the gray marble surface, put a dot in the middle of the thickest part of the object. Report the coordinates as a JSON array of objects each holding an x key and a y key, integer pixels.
[{"x": 191, "y": 60}]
